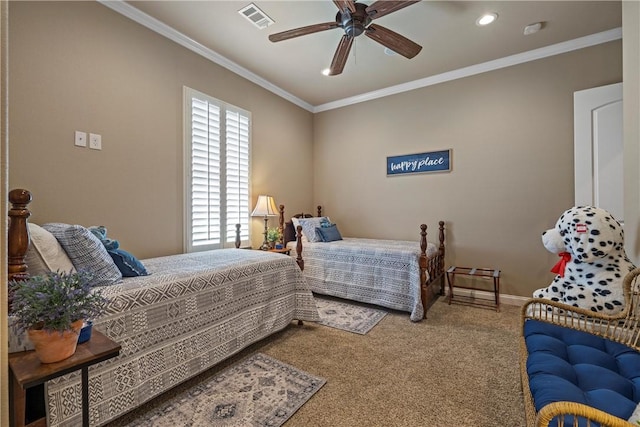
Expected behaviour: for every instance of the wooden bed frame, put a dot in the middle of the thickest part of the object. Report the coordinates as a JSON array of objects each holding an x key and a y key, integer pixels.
[
  {"x": 18, "y": 241},
  {"x": 18, "y": 236},
  {"x": 429, "y": 267}
]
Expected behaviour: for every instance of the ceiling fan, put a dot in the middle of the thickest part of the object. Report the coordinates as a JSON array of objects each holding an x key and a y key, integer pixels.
[{"x": 355, "y": 18}]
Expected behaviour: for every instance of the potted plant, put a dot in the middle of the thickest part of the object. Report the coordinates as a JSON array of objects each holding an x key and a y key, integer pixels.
[
  {"x": 273, "y": 236},
  {"x": 52, "y": 308}
]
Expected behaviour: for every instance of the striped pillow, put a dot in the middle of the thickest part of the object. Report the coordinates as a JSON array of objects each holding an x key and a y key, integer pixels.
[
  {"x": 86, "y": 252},
  {"x": 309, "y": 226}
]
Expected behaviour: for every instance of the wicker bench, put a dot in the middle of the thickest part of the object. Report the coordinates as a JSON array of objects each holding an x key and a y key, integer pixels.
[{"x": 579, "y": 368}]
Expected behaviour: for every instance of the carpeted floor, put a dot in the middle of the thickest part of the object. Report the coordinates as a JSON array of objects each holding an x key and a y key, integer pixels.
[{"x": 458, "y": 367}]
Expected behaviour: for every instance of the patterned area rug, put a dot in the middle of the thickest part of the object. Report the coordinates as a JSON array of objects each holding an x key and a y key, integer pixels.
[
  {"x": 258, "y": 391},
  {"x": 348, "y": 317}
]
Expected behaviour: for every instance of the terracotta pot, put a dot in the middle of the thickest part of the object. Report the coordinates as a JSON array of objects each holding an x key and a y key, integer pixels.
[{"x": 54, "y": 346}]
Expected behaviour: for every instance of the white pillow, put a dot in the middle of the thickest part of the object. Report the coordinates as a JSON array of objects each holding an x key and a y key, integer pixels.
[
  {"x": 45, "y": 253},
  {"x": 296, "y": 223}
]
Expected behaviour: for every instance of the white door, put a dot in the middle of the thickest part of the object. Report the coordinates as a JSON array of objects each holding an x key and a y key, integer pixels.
[{"x": 598, "y": 148}]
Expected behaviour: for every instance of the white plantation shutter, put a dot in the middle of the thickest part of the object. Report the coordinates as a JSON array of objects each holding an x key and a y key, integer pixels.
[
  {"x": 205, "y": 173},
  {"x": 217, "y": 148},
  {"x": 237, "y": 174}
]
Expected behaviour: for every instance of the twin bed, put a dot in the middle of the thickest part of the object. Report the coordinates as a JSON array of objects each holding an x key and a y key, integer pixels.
[
  {"x": 401, "y": 275},
  {"x": 191, "y": 312},
  {"x": 194, "y": 310}
]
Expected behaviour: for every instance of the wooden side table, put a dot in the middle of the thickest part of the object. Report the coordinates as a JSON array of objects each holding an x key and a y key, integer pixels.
[
  {"x": 27, "y": 371},
  {"x": 475, "y": 272}
]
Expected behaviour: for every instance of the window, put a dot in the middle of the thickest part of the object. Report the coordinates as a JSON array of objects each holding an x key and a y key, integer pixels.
[{"x": 216, "y": 151}]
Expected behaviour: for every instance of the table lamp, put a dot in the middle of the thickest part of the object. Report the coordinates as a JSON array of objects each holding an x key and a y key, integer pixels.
[{"x": 265, "y": 206}]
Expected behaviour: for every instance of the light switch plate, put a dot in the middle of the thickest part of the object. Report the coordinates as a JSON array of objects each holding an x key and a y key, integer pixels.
[
  {"x": 81, "y": 139},
  {"x": 95, "y": 141}
]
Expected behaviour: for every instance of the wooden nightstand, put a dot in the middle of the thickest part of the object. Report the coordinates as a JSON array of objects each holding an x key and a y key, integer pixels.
[
  {"x": 27, "y": 371},
  {"x": 285, "y": 251}
]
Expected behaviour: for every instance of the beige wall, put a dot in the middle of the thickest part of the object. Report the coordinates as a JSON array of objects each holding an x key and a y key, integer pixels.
[
  {"x": 511, "y": 135},
  {"x": 81, "y": 66}
]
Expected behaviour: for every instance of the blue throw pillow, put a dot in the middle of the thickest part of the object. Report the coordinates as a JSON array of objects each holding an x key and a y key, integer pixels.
[
  {"x": 128, "y": 264},
  {"x": 100, "y": 232},
  {"x": 329, "y": 234}
]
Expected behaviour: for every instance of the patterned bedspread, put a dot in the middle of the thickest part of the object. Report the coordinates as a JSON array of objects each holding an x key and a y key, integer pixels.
[
  {"x": 193, "y": 311},
  {"x": 381, "y": 272}
]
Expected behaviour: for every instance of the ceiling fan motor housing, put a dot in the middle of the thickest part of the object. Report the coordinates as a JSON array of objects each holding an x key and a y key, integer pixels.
[{"x": 354, "y": 23}]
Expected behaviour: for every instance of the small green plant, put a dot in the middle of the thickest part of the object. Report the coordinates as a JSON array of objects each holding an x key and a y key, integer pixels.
[
  {"x": 54, "y": 301},
  {"x": 273, "y": 235}
]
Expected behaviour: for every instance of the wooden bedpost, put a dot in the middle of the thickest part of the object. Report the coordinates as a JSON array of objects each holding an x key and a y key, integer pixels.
[
  {"x": 238, "y": 240},
  {"x": 319, "y": 210},
  {"x": 441, "y": 256},
  {"x": 18, "y": 234},
  {"x": 281, "y": 224},
  {"x": 299, "y": 259},
  {"x": 425, "y": 294}
]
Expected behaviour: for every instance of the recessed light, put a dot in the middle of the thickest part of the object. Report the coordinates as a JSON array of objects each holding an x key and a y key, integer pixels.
[
  {"x": 326, "y": 71},
  {"x": 389, "y": 52},
  {"x": 486, "y": 19}
]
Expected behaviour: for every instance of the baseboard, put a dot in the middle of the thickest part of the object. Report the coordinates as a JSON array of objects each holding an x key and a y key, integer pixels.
[{"x": 485, "y": 295}]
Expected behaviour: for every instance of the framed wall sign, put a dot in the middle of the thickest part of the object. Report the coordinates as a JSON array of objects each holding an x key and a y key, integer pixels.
[{"x": 433, "y": 161}]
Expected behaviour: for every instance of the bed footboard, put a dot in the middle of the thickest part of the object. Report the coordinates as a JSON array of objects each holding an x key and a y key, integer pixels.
[{"x": 431, "y": 269}]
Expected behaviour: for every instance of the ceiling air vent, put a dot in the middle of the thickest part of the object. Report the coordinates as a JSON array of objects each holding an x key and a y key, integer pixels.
[{"x": 256, "y": 16}]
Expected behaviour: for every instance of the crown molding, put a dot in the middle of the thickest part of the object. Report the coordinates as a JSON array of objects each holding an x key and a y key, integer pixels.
[
  {"x": 172, "y": 34},
  {"x": 163, "y": 29},
  {"x": 507, "y": 61}
]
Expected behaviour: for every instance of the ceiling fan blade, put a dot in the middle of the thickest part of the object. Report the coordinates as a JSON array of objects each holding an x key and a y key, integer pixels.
[
  {"x": 382, "y": 7},
  {"x": 345, "y": 5},
  {"x": 341, "y": 55},
  {"x": 302, "y": 31},
  {"x": 393, "y": 41}
]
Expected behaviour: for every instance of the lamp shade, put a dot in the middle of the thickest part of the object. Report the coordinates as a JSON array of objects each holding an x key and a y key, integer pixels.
[{"x": 265, "y": 206}]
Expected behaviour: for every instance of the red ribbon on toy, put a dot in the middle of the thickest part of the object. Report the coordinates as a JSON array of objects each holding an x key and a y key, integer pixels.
[{"x": 565, "y": 257}]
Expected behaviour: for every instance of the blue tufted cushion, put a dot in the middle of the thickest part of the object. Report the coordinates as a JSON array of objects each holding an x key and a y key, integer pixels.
[{"x": 569, "y": 365}]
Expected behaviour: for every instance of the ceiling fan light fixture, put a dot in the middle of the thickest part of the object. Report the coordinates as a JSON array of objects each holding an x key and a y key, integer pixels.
[
  {"x": 355, "y": 19},
  {"x": 326, "y": 71},
  {"x": 486, "y": 19}
]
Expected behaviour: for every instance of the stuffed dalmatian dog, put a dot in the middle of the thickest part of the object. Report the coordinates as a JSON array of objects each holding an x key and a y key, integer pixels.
[{"x": 593, "y": 262}]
